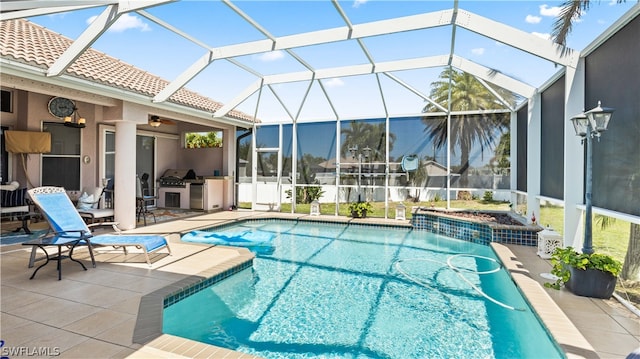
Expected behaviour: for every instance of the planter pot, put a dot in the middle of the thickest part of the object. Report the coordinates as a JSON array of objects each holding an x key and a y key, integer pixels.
[
  {"x": 354, "y": 214},
  {"x": 592, "y": 283}
]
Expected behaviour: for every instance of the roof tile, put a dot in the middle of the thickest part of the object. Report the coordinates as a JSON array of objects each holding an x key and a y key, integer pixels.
[{"x": 33, "y": 44}]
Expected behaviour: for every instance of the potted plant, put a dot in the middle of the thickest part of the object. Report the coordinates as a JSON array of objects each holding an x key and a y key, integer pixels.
[
  {"x": 588, "y": 275},
  {"x": 360, "y": 209}
]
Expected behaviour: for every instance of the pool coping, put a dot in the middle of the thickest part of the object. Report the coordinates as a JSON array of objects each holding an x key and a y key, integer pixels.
[
  {"x": 148, "y": 328},
  {"x": 149, "y": 320},
  {"x": 561, "y": 328}
]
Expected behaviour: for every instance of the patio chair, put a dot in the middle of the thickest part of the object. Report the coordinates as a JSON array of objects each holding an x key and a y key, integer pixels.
[
  {"x": 68, "y": 228},
  {"x": 89, "y": 206},
  {"x": 144, "y": 198}
]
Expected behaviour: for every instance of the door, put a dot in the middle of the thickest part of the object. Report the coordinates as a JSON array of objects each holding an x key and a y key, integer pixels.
[{"x": 267, "y": 179}]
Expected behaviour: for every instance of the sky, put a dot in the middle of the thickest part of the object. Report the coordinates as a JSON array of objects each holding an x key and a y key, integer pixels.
[{"x": 136, "y": 40}]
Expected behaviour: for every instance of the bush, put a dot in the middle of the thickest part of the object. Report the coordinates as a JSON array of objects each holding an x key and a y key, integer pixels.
[
  {"x": 488, "y": 196},
  {"x": 306, "y": 194},
  {"x": 360, "y": 209}
]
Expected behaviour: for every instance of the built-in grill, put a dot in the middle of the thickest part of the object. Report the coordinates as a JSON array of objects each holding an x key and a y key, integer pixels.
[{"x": 176, "y": 178}]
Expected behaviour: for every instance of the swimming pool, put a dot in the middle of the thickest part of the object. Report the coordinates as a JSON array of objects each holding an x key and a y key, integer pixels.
[{"x": 336, "y": 290}]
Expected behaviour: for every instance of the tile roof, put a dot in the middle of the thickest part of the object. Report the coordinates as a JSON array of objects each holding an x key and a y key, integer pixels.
[{"x": 35, "y": 45}]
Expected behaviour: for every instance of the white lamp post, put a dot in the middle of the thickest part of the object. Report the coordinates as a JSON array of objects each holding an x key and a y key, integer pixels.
[
  {"x": 366, "y": 153},
  {"x": 588, "y": 125}
]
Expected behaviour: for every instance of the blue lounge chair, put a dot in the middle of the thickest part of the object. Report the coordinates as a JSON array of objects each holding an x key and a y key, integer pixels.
[{"x": 69, "y": 229}]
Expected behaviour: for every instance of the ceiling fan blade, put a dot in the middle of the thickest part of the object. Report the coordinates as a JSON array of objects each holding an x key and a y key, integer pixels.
[{"x": 156, "y": 121}]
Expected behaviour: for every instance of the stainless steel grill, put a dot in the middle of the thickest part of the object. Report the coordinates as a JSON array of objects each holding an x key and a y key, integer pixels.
[{"x": 176, "y": 178}]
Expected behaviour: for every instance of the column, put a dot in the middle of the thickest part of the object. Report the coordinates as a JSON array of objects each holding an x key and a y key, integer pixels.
[
  {"x": 125, "y": 175},
  {"x": 573, "y": 156},
  {"x": 534, "y": 132}
]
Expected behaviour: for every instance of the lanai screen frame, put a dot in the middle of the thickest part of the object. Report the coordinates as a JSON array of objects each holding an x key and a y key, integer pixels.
[{"x": 459, "y": 18}]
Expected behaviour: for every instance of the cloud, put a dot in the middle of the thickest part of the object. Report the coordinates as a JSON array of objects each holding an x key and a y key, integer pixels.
[
  {"x": 552, "y": 11},
  {"x": 271, "y": 56},
  {"x": 532, "y": 19},
  {"x": 545, "y": 36},
  {"x": 357, "y": 3},
  {"x": 334, "y": 82},
  {"x": 477, "y": 51},
  {"x": 125, "y": 22}
]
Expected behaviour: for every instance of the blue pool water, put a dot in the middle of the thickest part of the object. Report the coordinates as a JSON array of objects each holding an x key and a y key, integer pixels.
[{"x": 349, "y": 291}]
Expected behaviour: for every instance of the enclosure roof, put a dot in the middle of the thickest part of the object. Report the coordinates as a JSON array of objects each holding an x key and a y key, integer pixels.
[{"x": 286, "y": 61}]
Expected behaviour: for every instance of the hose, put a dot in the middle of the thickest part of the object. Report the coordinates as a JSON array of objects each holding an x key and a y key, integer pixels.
[{"x": 459, "y": 272}]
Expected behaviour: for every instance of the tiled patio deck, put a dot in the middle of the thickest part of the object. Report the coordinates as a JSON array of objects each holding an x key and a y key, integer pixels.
[{"x": 98, "y": 313}]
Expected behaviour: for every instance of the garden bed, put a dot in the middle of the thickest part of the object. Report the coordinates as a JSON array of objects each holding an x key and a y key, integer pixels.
[{"x": 475, "y": 226}]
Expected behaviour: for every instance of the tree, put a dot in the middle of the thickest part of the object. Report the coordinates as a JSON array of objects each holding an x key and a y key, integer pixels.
[
  {"x": 569, "y": 13},
  {"x": 467, "y": 94},
  {"x": 363, "y": 134},
  {"x": 419, "y": 177},
  {"x": 631, "y": 264}
]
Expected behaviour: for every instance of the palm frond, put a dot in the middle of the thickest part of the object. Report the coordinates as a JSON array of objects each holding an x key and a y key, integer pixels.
[{"x": 570, "y": 11}]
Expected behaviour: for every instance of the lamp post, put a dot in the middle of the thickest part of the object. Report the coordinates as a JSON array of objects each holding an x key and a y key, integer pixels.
[
  {"x": 366, "y": 152},
  {"x": 588, "y": 125}
]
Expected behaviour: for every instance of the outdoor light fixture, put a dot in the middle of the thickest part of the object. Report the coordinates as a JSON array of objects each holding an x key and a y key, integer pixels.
[
  {"x": 401, "y": 212},
  {"x": 155, "y": 121},
  {"x": 588, "y": 125},
  {"x": 580, "y": 124},
  {"x": 314, "y": 209},
  {"x": 599, "y": 118},
  {"x": 75, "y": 120}
]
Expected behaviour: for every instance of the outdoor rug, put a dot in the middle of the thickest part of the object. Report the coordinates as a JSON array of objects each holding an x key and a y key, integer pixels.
[
  {"x": 19, "y": 237},
  {"x": 165, "y": 214}
]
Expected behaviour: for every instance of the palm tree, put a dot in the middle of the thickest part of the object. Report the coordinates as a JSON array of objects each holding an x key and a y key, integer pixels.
[
  {"x": 570, "y": 11},
  {"x": 363, "y": 134},
  {"x": 467, "y": 94}
]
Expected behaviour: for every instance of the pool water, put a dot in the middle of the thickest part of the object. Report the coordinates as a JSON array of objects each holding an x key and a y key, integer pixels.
[{"x": 350, "y": 291}]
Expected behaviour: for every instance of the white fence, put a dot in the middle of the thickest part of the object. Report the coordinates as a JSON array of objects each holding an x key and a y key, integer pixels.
[{"x": 268, "y": 193}]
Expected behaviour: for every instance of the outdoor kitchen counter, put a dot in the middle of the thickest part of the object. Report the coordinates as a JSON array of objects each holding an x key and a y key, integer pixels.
[{"x": 218, "y": 193}]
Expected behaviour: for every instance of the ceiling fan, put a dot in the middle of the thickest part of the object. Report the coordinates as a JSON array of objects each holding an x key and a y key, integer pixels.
[{"x": 156, "y": 121}]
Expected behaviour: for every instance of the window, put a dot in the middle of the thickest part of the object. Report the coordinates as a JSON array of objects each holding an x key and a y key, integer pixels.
[
  {"x": 4, "y": 158},
  {"x": 61, "y": 167},
  {"x": 5, "y": 101},
  {"x": 203, "y": 139},
  {"x": 145, "y": 156},
  {"x": 110, "y": 157}
]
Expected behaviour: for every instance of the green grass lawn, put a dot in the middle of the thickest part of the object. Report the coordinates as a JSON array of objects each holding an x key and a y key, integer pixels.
[
  {"x": 378, "y": 207},
  {"x": 612, "y": 240}
]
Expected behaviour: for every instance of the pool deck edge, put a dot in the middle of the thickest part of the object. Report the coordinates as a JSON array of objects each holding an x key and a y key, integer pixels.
[
  {"x": 148, "y": 328},
  {"x": 563, "y": 331}
]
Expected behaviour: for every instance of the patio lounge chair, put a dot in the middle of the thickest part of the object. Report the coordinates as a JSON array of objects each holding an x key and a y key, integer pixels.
[{"x": 69, "y": 228}]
